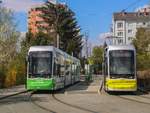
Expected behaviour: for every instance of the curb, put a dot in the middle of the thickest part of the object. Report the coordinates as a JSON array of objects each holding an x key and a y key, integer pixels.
[
  {"x": 7, "y": 96},
  {"x": 101, "y": 86}
]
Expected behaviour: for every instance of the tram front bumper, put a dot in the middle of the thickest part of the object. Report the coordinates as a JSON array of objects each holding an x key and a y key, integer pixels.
[
  {"x": 40, "y": 84},
  {"x": 121, "y": 85}
]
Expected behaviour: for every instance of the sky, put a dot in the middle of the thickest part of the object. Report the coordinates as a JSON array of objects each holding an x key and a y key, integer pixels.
[{"x": 94, "y": 16}]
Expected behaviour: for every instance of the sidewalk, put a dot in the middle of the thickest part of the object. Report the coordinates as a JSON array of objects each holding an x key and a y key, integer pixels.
[
  {"x": 12, "y": 91},
  {"x": 95, "y": 85}
]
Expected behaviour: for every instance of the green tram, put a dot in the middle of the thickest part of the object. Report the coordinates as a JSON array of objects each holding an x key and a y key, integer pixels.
[
  {"x": 49, "y": 68},
  {"x": 119, "y": 68}
]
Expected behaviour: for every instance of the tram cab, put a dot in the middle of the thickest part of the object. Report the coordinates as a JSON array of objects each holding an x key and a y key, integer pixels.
[{"x": 119, "y": 68}]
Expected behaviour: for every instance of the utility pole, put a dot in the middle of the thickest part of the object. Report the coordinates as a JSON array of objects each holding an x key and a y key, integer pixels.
[{"x": 86, "y": 44}]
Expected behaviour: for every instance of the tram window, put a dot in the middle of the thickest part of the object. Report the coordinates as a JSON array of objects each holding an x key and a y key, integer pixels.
[
  {"x": 78, "y": 70},
  {"x": 62, "y": 70},
  {"x": 122, "y": 63},
  {"x": 58, "y": 70},
  {"x": 67, "y": 70},
  {"x": 40, "y": 64},
  {"x": 72, "y": 69}
]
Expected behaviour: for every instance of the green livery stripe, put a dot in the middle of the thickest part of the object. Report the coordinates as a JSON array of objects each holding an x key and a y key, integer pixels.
[{"x": 40, "y": 84}]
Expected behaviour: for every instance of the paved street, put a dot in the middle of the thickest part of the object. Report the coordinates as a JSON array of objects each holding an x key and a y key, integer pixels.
[{"x": 81, "y": 98}]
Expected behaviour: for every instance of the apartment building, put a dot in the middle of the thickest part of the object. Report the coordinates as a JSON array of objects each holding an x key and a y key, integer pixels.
[
  {"x": 125, "y": 25},
  {"x": 35, "y": 21}
]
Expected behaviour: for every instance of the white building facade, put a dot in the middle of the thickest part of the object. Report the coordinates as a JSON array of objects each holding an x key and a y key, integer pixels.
[{"x": 125, "y": 25}]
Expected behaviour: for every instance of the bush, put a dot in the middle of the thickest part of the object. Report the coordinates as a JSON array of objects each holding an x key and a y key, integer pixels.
[
  {"x": 15, "y": 74},
  {"x": 143, "y": 62},
  {"x": 144, "y": 79},
  {"x": 10, "y": 79},
  {"x": 2, "y": 76}
]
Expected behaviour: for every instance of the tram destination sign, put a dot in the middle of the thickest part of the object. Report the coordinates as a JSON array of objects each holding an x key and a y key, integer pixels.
[{"x": 121, "y": 53}]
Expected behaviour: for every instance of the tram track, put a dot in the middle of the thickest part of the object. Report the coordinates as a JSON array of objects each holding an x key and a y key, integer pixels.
[
  {"x": 42, "y": 107},
  {"x": 136, "y": 94},
  {"x": 135, "y": 97},
  {"x": 15, "y": 94},
  {"x": 29, "y": 98},
  {"x": 134, "y": 100},
  {"x": 72, "y": 106},
  {"x": 53, "y": 95},
  {"x": 38, "y": 105}
]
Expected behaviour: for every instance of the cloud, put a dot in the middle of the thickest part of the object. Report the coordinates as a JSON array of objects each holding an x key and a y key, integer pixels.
[
  {"x": 100, "y": 40},
  {"x": 105, "y": 37},
  {"x": 20, "y": 5}
]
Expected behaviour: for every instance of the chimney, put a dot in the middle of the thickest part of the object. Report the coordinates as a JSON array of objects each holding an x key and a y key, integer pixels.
[{"x": 145, "y": 12}]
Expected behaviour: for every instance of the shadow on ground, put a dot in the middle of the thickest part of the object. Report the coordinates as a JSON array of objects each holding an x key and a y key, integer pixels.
[{"x": 121, "y": 93}]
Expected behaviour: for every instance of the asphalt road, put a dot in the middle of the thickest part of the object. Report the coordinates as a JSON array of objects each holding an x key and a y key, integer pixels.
[{"x": 81, "y": 98}]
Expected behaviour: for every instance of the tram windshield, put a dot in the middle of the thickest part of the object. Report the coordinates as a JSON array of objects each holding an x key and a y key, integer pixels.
[
  {"x": 40, "y": 64},
  {"x": 121, "y": 63}
]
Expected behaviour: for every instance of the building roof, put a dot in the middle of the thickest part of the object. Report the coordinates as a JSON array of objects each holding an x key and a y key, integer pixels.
[{"x": 141, "y": 16}]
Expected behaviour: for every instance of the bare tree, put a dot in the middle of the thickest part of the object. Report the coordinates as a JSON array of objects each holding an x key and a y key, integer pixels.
[{"x": 8, "y": 36}]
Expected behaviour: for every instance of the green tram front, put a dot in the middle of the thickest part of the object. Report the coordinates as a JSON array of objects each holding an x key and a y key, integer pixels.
[
  {"x": 120, "y": 68},
  {"x": 39, "y": 69}
]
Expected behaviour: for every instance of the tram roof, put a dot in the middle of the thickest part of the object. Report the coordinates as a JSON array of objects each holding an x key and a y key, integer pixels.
[
  {"x": 121, "y": 47},
  {"x": 50, "y": 48}
]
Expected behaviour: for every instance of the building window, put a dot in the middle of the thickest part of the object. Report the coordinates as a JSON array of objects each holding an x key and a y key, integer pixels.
[
  {"x": 120, "y": 34},
  {"x": 119, "y": 25},
  {"x": 120, "y": 41},
  {"x": 130, "y": 31},
  {"x": 129, "y": 38}
]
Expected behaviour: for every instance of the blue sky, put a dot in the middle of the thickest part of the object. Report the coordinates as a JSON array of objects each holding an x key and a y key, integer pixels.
[{"x": 94, "y": 16}]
